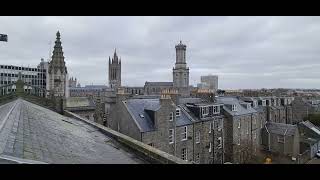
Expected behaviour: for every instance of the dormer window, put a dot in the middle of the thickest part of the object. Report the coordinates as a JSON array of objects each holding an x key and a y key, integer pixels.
[
  {"x": 205, "y": 110},
  {"x": 264, "y": 103},
  {"x": 234, "y": 107},
  {"x": 177, "y": 112},
  {"x": 216, "y": 109},
  {"x": 248, "y": 106}
]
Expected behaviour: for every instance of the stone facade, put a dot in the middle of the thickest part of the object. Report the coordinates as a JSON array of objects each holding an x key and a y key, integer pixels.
[
  {"x": 181, "y": 71},
  {"x": 58, "y": 74},
  {"x": 72, "y": 82},
  {"x": 115, "y": 71},
  {"x": 281, "y": 138},
  {"x": 155, "y": 88},
  {"x": 176, "y": 128}
]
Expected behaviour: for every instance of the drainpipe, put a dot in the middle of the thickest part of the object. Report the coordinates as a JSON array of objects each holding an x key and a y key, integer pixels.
[{"x": 284, "y": 140}]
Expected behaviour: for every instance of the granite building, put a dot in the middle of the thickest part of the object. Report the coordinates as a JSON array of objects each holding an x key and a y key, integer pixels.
[
  {"x": 58, "y": 73},
  {"x": 189, "y": 128},
  {"x": 210, "y": 82},
  {"x": 114, "y": 71},
  {"x": 242, "y": 128},
  {"x": 181, "y": 71}
]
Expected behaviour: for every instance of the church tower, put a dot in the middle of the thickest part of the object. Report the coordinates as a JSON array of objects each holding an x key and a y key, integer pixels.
[
  {"x": 181, "y": 71},
  {"x": 114, "y": 71},
  {"x": 58, "y": 74}
]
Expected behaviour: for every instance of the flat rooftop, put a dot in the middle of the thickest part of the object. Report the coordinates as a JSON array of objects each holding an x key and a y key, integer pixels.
[{"x": 32, "y": 134}]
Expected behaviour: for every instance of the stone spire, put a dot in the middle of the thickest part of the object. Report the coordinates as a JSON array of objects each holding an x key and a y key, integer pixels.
[
  {"x": 57, "y": 59},
  {"x": 115, "y": 56}
]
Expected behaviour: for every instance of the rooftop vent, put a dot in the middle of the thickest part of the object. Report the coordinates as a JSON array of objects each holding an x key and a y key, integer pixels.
[{"x": 141, "y": 115}]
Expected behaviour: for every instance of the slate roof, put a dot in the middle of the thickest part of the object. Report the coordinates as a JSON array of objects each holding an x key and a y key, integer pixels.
[
  {"x": 145, "y": 124},
  {"x": 33, "y": 134},
  {"x": 311, "y": 126},
  {"x": 233, "y": 100},
  {"x": 137, "y": 107},
  {"x": 281, "y": 128}
]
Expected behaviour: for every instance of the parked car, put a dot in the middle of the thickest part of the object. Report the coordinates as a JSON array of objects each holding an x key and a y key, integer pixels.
[{"x": 318, "y": 154}]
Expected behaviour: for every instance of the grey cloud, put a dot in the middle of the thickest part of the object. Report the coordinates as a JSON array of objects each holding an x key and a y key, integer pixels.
[{"x": 246, "y": 52}]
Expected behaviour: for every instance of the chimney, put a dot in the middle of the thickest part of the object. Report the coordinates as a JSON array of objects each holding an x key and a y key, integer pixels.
[
  {"x": 121, "y": 94},
  {"x": 171, "y": 94}
]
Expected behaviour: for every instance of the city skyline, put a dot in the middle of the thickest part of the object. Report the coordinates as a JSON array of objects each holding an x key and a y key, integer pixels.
[{"x": 245, "y": 52}]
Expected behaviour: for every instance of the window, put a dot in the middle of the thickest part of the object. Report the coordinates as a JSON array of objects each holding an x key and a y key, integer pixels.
[
  {"x": 210, "y": 147},
  {"x": 248, "y": 127},
  {"x": 239, "y": 124},
  {"x": 171, "y": 116},
  {"x": 219, "y": 126},
  {"x": 210, "y": 127},
  {"x": 171, "y": 136},
  {"x": 216, "y": 109},
  {"x": 198, "y": 137},
  {"x": 280, "y": 139},
  {"x": 234, "y": 107},
  {"x": 254, "y": 135},
  {"x": 254, "y": 121},
  {"x": 263, "y": 102},
  {"x": 184, "y": 133},
  {"x": 219, "y": 142},
  {"x": 239, "y": 140},
  {"x": 178, "y": 112},
  {"x": 197, "y": 160},
  {"x": 205, "y": 110},
  {"x": 184, "y": 155}
]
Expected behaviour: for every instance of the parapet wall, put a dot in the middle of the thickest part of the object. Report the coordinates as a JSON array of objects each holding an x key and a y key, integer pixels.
[{"x": 147, "y": 152}]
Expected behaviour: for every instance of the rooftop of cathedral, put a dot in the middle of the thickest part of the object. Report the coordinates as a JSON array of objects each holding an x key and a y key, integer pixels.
[{"x": 33, "y": 134}]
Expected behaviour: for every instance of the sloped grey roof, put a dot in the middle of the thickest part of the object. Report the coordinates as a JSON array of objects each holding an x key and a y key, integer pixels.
[
  {"x": 145, "y": 124},
  {"x": 33, "y": 133},
  {"x": 233, "y": 100},
  {"x": 281, "y": 128},
  {"x": 312, "y": 127},
  {"x": 191, "y": 100},
  {"x": 137, "y": 107},
  {"x": 159, "y": 83},
  {"x": 183, "y": 119}
]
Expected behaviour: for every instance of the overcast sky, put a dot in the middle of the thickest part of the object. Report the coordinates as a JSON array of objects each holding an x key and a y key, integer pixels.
[{"x": 245, "y": 52}]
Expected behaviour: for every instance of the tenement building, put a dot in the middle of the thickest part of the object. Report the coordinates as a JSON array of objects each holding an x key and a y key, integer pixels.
[
  {"x": 242, "y": 128},
  {"x": 189, "y": 128}
]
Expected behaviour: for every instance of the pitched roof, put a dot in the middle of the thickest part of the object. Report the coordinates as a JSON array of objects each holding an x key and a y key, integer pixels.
[
  {"x": 311, "y": 126},
  {"x": 138, "y": 107},
  {"x": 228, "y": 101},
  {"x": 281, "y": 128}
]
